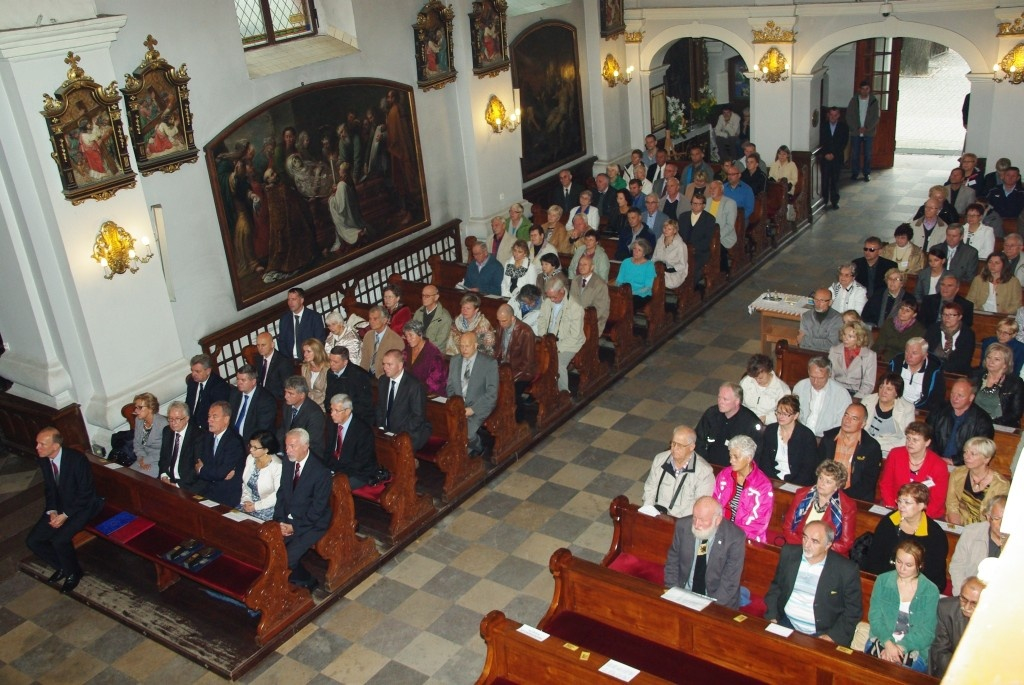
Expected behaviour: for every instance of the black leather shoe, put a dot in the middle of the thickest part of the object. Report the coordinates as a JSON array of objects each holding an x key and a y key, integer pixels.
[
  {"x": 867, "y": 179},
  {"x": 835, "y": 205},
  {"x": 70, "y": 584},
  {"x": 57, "y": 576}
]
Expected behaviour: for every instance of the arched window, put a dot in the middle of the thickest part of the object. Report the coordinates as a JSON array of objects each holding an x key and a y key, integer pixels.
[{"x": 266, "y": 22}]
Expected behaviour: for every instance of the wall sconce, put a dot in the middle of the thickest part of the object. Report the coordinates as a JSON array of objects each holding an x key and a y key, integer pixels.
[
  {"x": 773, "y": 67},
  {"x": 1012, "y": 66},
  {"x": 610, "y": 72},
  {"x": 114, "y": 250},
  {"x": 495, "y": 115}
]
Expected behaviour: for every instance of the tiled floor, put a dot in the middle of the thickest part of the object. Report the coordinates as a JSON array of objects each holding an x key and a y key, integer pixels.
[{"x": 417, "y": 619}]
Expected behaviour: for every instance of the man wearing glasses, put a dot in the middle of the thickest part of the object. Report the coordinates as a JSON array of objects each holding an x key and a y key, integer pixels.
[
  {"x": 872, "y": 267},
  {"x": 738, "y": 191},
  {"x": 953, "y": 615},
  {"x": 698, "y": 229},
  {"x": 819, "y": 327}
]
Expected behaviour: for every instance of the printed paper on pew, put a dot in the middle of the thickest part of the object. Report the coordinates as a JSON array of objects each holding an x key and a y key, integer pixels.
[
  {"x": 619, "y": 670},
  {"x": 536, "y": 633},
  {"x": 235, "y": 515},
  {"x": 949, "y": 527},
  {"x": 442, "y": 400},
  {"x": 880, "y": 510},
  {"x": 208, "y": 503},
  {"x": 494, "y": 297},
  {"x": 648, "y": 510},
  {"x": 789, "y": 487},
  {"x": 113, "y": 465},
  {"x": 687, "y": 599},
  {"x": 782, "y": 631}
]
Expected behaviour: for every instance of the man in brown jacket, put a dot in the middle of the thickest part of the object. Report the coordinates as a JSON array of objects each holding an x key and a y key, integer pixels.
[{"x": 516, "y": 346}]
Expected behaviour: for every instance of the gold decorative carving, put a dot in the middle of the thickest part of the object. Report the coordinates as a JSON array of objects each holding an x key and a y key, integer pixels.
[
  {"x": 634, "y": 36},
  {"x": 772, "y": 33},
  {"x": 1012, "y": 28}
]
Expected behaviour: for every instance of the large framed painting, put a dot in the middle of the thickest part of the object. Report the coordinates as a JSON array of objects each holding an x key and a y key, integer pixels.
[
  {"x": 613, "y": 20},
  {"x": 739, "y": 84},
  {"x": 315, "y": 178},
  {"x": 490, "y": 42},
  {"x": 159, "y": 117},
  {"x": 89, "y": 145},
  {"x": 545, "y": 68},
  {"x": 432, "y": 32}
]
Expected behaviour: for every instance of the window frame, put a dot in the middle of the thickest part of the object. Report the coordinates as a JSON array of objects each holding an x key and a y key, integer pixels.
[{"x": 270, "y": 38}]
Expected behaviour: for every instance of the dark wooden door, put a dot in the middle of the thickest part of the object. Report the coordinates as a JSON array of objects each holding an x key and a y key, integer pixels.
[{"x": 878, "y": 63}]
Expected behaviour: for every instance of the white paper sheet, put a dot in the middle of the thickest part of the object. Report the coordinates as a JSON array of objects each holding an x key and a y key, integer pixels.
[
  {"x": 687, "y": 599},
  {"x": 208, "y": 503},
  {"x": 241, "y": 516},
  {"x": 441, "y": 400},
  {"x": 536, "y": 633},
  {"x": 113, "y": 465},
  {"x": 880, "y": 510},
  {"x": 789, "y": 487},
  {"x": 779, "y": 630},
  {"x": 648, "y": 510},
  {"x": 950, "y": 528},
  {"x": 619, "y": 670}
]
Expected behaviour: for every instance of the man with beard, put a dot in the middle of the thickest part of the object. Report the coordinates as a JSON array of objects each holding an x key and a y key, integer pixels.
[{"x": 707, "y": 554}]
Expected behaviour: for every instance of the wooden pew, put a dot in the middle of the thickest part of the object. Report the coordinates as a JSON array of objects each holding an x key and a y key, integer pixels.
[
  {"x": 552, "y": 403},
  {"x": 654, "y": 310},
  {"x": 512, "y": 657},
  {"x": 345, "y": 552},
  {"x": 253, "y": 566},
  {"x": 406, "y": 510},
  {"x": 447, "y": 447},
  {"x": 510, "y": 436},
  {"x": 740, "y": 256},
  {"x": 593, "y": 605},
  {"x": 592, "y": 371}
]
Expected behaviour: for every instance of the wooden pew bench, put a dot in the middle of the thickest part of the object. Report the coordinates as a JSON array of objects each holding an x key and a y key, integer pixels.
[
  {"x": 552, "y": 403},
  {"x": 404, "y": 510},
  {"x": 447, "y": 447},
  {"x": 346, "y": 553},
  {"x": 654, "y": 311}
]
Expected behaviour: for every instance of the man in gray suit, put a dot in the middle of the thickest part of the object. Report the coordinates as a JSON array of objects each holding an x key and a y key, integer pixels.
[
  {"x": 474, "y": 377},
  {"x": 301, "y": 412},
  {"x": 653, "y": 217},
  {"x": 591, "y": 291},
  {"x": 953, "y": 615},
  {"x": 723, "y": 208},
  {"x": 707, "y": 554},
  {"x": 961, "y": 259}
]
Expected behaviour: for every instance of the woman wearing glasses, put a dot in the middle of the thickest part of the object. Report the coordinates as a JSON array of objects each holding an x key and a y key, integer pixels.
[
  {"x": 149, "y": 434},
  {"x": 262, "y": 476},
  {"x": 909, "y": 522},
  {"x": 789, "y": 450}
]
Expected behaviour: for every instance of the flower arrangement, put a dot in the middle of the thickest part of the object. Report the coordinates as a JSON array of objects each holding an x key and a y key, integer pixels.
[
  {"x": 677, "y": 124},
  {"x": 702, "y": 107}
]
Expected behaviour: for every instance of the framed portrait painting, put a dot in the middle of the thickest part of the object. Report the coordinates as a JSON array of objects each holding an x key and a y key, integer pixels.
[
  {"x": 432, "y": 32},
  {"x": 613, "y": 21},
  {"x": 315, "y": 178},
  {"x": 739, "y": 84},
  {"x": 545, "y": 68},
  {"x": 490, "y": 41},
  {"x": 89, "y": 145},
  {"x": 159, "y": 116}
]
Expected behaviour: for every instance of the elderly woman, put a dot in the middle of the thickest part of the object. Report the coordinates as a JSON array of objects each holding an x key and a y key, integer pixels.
[
  {"x": 591, "y": 247},
  {"x": 883, "y": 303},
  {"x": 517, "y": 223},
  {"x": 995, "y": 289},
  {"x": 1000, "y": 391},
  {"x": 854, "y": 364},
  {"x": 909, "y": 522},
  {"x": 550, "y": 267},
  {"x": 529, "y": 300},
  {"x": 471, "y": 320},
  {"x": 976, "y": 234},
  {"x": 315, "y": 369},
  {"x": 789, "y": 449},
  {"x": 424, "y": 360},
  {"x": 554, "y": 229},
  {"x": 915, "y": 463},
  {"x": 948, "y": 213},
  {"x": 743, "y": 490},
  {"x": 589, "y": 212},
  {"x": 903, "y": 610},
  {"x": 639, "y": 273},
  {"x": 340, "y": 335},
  {"x": 149, "y": 433},
  {"x": 671, "y": 251},
  {"x": 897, "y": 330},
  {"x": 538, "y": 247},
  {"x": 398, "y": 313},
  {"x": 823, "y": 501},
  {"x": 1006, "y": 333},
  {"x": 762, "y": 389},
  {"x": 615, "y": 179},
  {"x": 784, "y": 168},
  {"x": 519, "y": 270},
  {"x": 909, "y": 257},
  {"x": 973, "y": 486},
  {"x": 698, "y": 186},
  {"x": 888, "y": 413},
  {"x": 262, "y": 476}
]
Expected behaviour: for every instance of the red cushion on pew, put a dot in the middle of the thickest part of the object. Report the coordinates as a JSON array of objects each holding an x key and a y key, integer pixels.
[
  {"x": 373, "y": 492},
  {"x": 634, "y": 566},
  {"x": 756, "y": 607}
]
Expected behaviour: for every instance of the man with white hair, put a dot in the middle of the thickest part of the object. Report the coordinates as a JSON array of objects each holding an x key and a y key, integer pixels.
[
  {"x": 678, "y": 476},
  {"x": 303, "y": 507},
  {"x": 707, "y": 554},
  {"x": 351, "y": 449},
  {"x": 847, "y": 293},
  {"x": 724, "y": 210},
  {"x": 724, "y": 420},
  {"x": 923, "y": 382},
  {"x": 562, "y": 316},
  {"x": 500, "y": 242},
  {"x": 822, "y": 399}
]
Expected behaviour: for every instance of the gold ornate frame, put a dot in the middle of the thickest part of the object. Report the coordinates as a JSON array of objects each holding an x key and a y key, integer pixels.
[
  {"x": 432, "y": 33},
  {"x": 487, "y": 29}
]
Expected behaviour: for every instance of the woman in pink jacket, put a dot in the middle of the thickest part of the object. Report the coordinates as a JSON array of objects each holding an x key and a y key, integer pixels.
[{"x": 743, "y": 490}]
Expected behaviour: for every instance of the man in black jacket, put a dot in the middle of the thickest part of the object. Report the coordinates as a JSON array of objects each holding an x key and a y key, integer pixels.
[
  {"x": 951, "y": 341},
  {"x": 872, "y": 267},
  {"x": 346, "y": 378},
  {"x": 863, "y": 457},
  {"x": 835, "y": 134},
  {"x": 179, "y": 449},
  {"x": 303, "y": 504},
  {"x": 203, "y": 388},
  {"x": 350, "y": 444},
  {"x": 956, "y": 420}
]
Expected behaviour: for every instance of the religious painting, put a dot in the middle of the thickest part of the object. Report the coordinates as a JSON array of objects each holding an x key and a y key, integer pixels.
[
  {"x": 159, "y": 116},
  {"x": 739, "y": 84},
  {"x": 659, "y": 111},
  {"x": 89, "y": 145},
  {"x": 315, "y": 178},
  {"x": 545, "y": 68},
  {"x": 490, "y": 42},
  {"x": 613, "y": 20},
  {"x": 432, "y": 32}
]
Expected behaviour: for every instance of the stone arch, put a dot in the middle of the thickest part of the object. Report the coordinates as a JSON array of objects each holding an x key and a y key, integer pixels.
[{"x": 653, "y": 53}]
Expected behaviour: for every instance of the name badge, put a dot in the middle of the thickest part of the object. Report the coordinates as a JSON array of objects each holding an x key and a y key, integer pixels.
[{"x": 928, "y": 483}]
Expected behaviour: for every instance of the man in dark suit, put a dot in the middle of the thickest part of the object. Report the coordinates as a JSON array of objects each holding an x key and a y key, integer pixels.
[
  {"x": 953, "y": 615},
  {"x": 821, "y": 601},
  {"x": 516, "y": 345},
  {"x": 350, "y": 444},
  {"x": 656, "y": 171},
  {"x": 300, "y": 323},
  {"x": 872, "y": 267},
  {"x": 252, "y": 407},
  {"x": 653, "y": 218},
  {"x": 698, "y": 229},
  {"x": 274, "y": 367},
  {"x": 931, "y": 305},
  {"x": 346, "y": 378},
  {"x": 714, "y": 566},
  {"x": 303, "y": 504},
  {"x": 835, "y": 134},
  {"x": 179, "y": 450},
  {"x": 300, "y": 412},
  {"x": 483, "y": 273},
  {"x": 961, "y": 259},
  {"x": 221, "y": 458},
  {"x": 951, "y": 341},
  {"x": 474, "y": 377},
  {"x": 71, "y": 501},
  {"x": 567, "y": 194},
  {"x": 867, "y": 453},
  {"x": 634, "y": 230},
  {"x": 203, "y": 388},
  {"x": 604, "y": 195},
  {"x": 402, "y": 401}
]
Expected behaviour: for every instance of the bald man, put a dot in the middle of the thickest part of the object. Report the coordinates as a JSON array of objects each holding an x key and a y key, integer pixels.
[
  {"x": 819, "y": 327},
  {"x": 953, "y": 615},
  {"x": 474, "y": 377},
  {"x": 707, "y": 554},
  {"x": 437, "y": 322},
  {"x": 274, "y": 367}
]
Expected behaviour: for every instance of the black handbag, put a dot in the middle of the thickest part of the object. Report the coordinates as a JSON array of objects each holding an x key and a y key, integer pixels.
[{"x": 122, "y": 448}]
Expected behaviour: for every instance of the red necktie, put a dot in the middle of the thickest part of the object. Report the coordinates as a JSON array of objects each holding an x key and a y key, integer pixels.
[
  {"x": 56, "y": 473},
  {"x": 341, "y": 438},
  {"x": 295, "y": 479}
]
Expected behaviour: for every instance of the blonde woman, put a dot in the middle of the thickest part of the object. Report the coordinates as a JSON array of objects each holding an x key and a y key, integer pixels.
[{"x": 854, "y": 364}]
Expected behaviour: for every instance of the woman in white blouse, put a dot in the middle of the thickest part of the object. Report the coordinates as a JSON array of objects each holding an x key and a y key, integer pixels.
[
  {"x": 262, "y": 476},
  {"x": 762, "y": 389},
  {"x": 586, "y": 209},
  {"x": 340, "y": 335},
  {"x": 671, "y": 251},
  {"x": 976, "y": 234},
  {"x": 519, "y": 270},
  {"x": 783, "y": 167},
  {"x": 888, "y": 413}
]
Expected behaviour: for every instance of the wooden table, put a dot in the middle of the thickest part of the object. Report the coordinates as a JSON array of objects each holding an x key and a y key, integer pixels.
[{"x": 780, "y": 318}]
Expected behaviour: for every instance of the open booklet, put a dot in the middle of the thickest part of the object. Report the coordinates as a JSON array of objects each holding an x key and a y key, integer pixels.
[{"x": 692, "y": 600}]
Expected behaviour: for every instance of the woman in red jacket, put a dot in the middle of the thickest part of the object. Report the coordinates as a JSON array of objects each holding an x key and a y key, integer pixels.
[
  {"x": 915, "y": 463},
  {"x": 824, "y": 501}
]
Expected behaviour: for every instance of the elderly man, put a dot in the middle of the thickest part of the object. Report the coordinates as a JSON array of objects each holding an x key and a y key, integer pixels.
[
  {"x": 351, "y": 449},
  {"x": 252, "y": 406},
  {"x": 517, "y": 223},
  {"x": 379, "y": 340},
  {"x": 952, "y": 342},
  {"x": 957, "y": 419},
  {"x": 929, "y": 229},
  {"x": 274, "y": 367},
  {"x": 562, "y": 316},
  {"x": 871, "y": 269},
  {"x": 832, "y": 140},
  {"x": 516, "y": 345},
  {"x": 726, "y": 133},
  {"x": 707, "y": 554},
  {"x": 724, "y": 211},
  {"x": 203, "y": 388},
  {"x": 633, "y": 231},
  {"x": 603, "y": 195},
  {"x": 723, "y": 421},
  {"x": 591, "y": 247},
  {"x": 652, "y": 217},
  {"x": 1007, "y": 198},
  {"x": 500, "y": 243},
  {"x": 959, "y": 194},
  {"x": 301, "y": 412},
  {"x": 931, "y": 305},
  {"x": 822, "y": 399},
  {"x": 862, "y": 116},
  {"x": 923, "y": 382},
  {"x": 847, "y": 293},
  {"x": 819, "y": 327},
  {"x": 566, "y": 195},
  {"x": 953, "y": 614},
  {"x": 1012, "y": 245},
  {"x": 961, "y": 259},
  {"x": 402, "y": 401},
  {"x": 221, "y": 458},
  {"x": 303, "y": 507},
  {"x": 346, "y": 378},
  {"x": 179, "y": 449},
  {"x": 978, "y": 542},
  {"x": 672, "y": 200},
  {"x": 437, "y": 322},
  {"x": 815, "y": 590},
  {"x": 483, "y": 273},
  {"x": 698, "y": 229},
  {"x": 886, "y": 300},
  {"x": 696, "y": 164},
  {"x": 678, "y": 476},
  {"x": 738, "y": 191},
  {"x": 860, "y": 453},
  {"x": 590, "y": 290},
  {"x": 474, "y": 377},
  {"x": 656, "y": 171},
  {"x": 298, "y": 324}
]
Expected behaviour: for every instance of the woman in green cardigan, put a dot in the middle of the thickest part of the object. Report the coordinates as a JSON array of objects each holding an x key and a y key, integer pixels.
[{"x": 903, "y": 611}]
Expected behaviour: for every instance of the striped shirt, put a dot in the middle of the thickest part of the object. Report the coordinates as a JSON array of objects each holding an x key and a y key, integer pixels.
[{"x": 800, "y": 607}]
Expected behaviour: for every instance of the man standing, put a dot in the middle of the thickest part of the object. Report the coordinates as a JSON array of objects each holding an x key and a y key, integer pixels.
[
  {"x": 402, "y": 401},
  {"x": 501, "y": 240},
  {"x": 378, "y": 340},
  {"x": 961, "y": 260},
  {"x": 956, "y": 420},
  {"x": 650, "y": 153},
  {"x": 474, "y": 377},
  {"x": 850, "y": 445},
  {"x": 871, "y": 269},
  {"x": 203, "y": 388},
  {"x": 299, "y": 324},
  {"x": 567, "y": 194},
  {"x": 707, "y": 554},
  {"x": 222, "y": 458},
  {"x": 299, "y": 412},
  {"x": 953, "y": 615},
  {"x": 562, "y": 316},
  {"x": 862, "y": 116},
  {"x": 819, "y": 328},
  {"x": 726, "y": 132},
  {"x": 822, "y": 400},
  {"x": 179, "y": 449},
  {"x": 590, "y": 290},
  {"x": 723, "y": 421},
  {"x": 71, "y": 501},
  {"x": 516, "y": 345},
  {"x": 923, "y": 382},
  {"x": 835, "y": 134},
  {"x": 483, "y": 273},
  {"x": 252, "y": 406},
  {"x": 274, "y": 367},
  {"x": 346, "y": 378},
  {"x": 303, "y": 504},
  {"x": 815, "y": 590},
  {"x": 351, "y": 448},
  {"x": 678, "y": 477}
]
